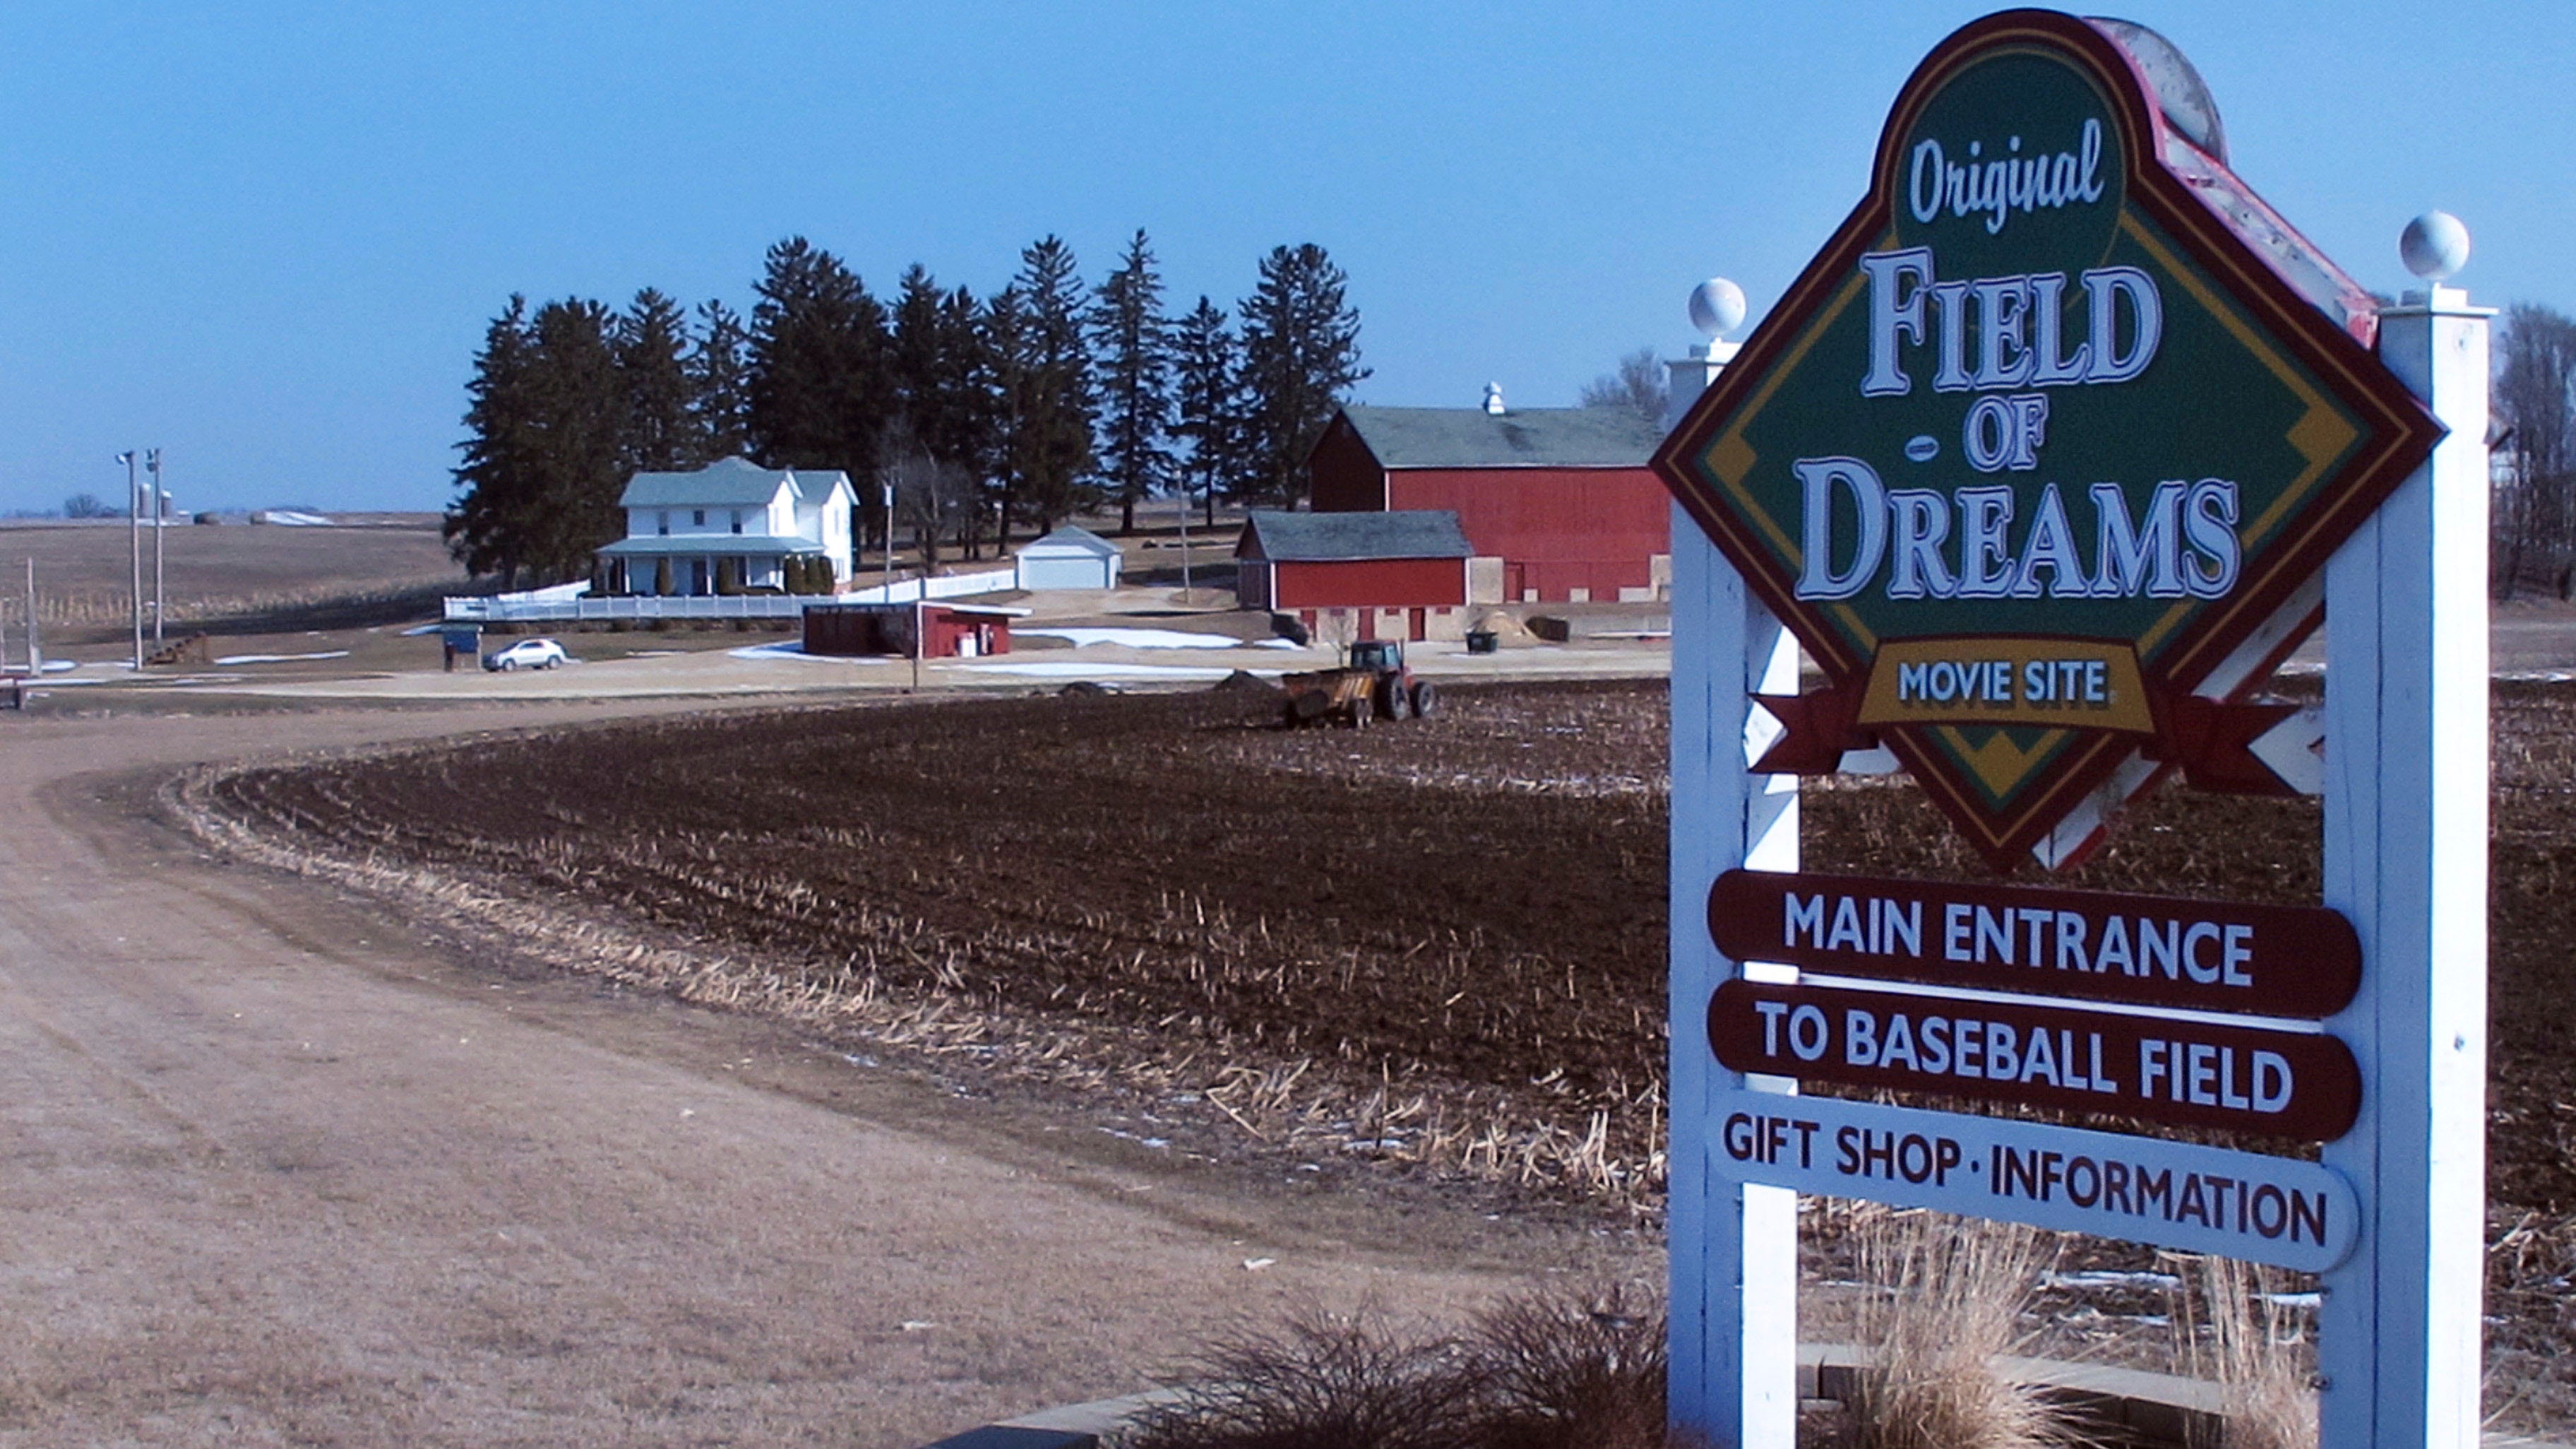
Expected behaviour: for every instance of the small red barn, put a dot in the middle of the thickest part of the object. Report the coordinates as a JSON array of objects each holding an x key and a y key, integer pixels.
[
  {"x": 1399, "y": 575},
  {"x": 949, "y": 631},
  {"x": 1558, "y": 502}
]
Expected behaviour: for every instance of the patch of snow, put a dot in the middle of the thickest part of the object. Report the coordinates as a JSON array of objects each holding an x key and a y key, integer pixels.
[
  {"x": 1139, "y": 638},
  {"x": 287, "y": 518},
  {"x": 57, "y": 666},
  {"x": 419, "y": 629},
  {"x": 232, "y": 659},
  {"x": 1070, "y": 670},
  {"x": 783, "y": 651},
  {"x": 2108, "y": 1279}
]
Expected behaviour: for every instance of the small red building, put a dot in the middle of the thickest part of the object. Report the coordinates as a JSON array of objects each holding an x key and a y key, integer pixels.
[
  {"x": 1558, "y": 503},
  {"x": 949, "y": 631},
  {"x": 1400, "y": 575}
]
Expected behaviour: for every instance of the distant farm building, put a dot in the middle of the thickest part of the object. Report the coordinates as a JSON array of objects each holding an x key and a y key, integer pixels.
[
  {"x": 1069, "y": 558},
  {"x": 1399, "y": 575},
  {"x": 730, "y": 520},
  {"x": 948, "y": 631},
  {"x": 1558, "y": 502}
]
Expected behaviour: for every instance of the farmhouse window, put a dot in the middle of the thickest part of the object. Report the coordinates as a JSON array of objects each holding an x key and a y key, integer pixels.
[
  {"x": 697, "y": 518},
  {"x": 662, "y": 521},
  {"x": 737, "y": 520}
]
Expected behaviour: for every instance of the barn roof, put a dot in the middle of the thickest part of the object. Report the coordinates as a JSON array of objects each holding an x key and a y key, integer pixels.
[
  {"x": 1324, "y": 537},
  {"x": 1521, "y": 438},
  {"x": 1070, "y": 537}
]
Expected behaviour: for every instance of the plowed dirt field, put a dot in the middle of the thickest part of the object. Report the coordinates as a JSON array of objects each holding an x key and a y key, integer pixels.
[{"x": 1464, "y": 913}]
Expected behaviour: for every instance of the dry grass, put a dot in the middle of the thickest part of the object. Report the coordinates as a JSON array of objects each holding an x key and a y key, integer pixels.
[
  {"x": 2238, "y": 1333},
  {"x": 1567, "y": 1370},
  {"x": 1949, "y": 1300}
]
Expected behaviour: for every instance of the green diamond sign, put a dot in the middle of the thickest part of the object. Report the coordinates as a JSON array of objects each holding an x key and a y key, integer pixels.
[{"x": 2061, "y": 423}]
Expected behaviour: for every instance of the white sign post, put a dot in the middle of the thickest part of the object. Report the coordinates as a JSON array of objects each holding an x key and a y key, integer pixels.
[
  {"x": 1734, "y": 1298},
  {"x": 2406, "y": 860}
]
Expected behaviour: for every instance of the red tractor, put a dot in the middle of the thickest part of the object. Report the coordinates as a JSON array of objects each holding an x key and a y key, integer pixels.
[{"x": 1374, "y": 685}]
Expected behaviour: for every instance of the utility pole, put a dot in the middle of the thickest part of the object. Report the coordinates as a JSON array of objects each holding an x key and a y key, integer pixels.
[
  {"x": 885, "y": 496},
  {"x": 134, "y": 543},
  {"x": 35, "y": 651},
  {"x": 160, "y": 521},
  {"x": 1185, "y": 545}
]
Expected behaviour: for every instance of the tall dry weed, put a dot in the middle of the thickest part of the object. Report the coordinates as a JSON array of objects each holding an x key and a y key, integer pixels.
[
  {"x": 2238, "y": 1333},
  {"x": 1949, "y": 1298}
]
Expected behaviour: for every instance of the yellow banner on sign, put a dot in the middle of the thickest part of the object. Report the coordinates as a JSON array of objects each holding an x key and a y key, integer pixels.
[{"x": 2048, "y": 683}]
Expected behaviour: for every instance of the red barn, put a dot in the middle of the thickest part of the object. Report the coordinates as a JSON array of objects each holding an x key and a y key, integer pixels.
[
  {"x": 1362, "y": 575},
  {"x": 1557, "y": 502},
  {"x": 949, "y": 631}
]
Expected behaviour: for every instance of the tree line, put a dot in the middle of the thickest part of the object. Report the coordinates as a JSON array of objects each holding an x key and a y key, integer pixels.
[
  {"x": 2535, "y": 440},
  {"x": 984, "y": 414}
]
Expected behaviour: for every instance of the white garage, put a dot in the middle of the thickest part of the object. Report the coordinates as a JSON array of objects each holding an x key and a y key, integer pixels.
[{"x": 1069, "y": 558}]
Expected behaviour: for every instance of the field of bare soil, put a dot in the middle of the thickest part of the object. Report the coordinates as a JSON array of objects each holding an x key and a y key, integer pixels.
[
  {"x": 1438, "y": 945},
  {"x": 240, "y": 578}
]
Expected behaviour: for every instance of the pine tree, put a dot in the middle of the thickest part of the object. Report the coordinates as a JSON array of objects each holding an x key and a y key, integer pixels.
[
  {"x": 579, "y": 414},
  {"x": 719, "y": 382},
  {"x": 1047, "y": 380},
  {"x": 662, "y": 432},
  {"x": 1300, "y": 354},
  {"x": 942, "y": 379},
  {"x": 1207, "y": 399},
  {"x": 1131, "y": 360},
  {"x": 482, "y": 526},
  {"x": 818, "y": 391},
  {"x": 540, "y": 475}
]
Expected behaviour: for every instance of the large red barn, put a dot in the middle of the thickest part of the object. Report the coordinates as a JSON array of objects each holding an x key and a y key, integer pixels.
[
  {"x": 1363, "y": 575},
  {"x": 1558, "y": 503}
]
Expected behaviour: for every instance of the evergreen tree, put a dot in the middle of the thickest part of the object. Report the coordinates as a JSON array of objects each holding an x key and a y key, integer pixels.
[
  {"x": 1131, "y": 352},
  {"x": 818, "y": 391},
  {"x": 482, "y": 527},
  {"x": 1045, "y": 380},
  {"x": 579, "y": 414},
  {"x": 942, "y": 384},
  {"x": 1300, "y": 354},
  {"x": 1207, "y": 402},
  {"x": 720, "y": 381},
  {"x": 540, "y": 475},
  {"x": 662, "y": 432}
]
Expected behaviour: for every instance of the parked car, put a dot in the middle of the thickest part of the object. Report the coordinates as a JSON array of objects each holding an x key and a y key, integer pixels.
[{"x": 527, "y": 654}]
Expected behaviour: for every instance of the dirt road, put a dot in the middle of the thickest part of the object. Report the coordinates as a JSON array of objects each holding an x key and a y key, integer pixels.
[{"x": 275, "y": 1170}]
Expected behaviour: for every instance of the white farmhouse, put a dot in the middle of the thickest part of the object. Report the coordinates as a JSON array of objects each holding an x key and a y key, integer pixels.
[{"x": 730, "y": 510}]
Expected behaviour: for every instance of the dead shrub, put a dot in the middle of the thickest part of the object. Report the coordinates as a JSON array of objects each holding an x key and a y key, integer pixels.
[
  {"x": 1323, "y": 1382},
  {"x": 1571, "y": 1369},
  {"x": 2238, "y": 1333},
  {"x": 1948, "y": 1298}
]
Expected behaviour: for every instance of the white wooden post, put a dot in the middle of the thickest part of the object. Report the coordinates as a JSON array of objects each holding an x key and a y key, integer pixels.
[
  {"x": 2406, "y": 859},
  {"x": 1734, "y": 1247}
]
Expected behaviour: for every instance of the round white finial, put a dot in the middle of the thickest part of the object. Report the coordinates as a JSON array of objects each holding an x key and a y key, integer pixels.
[
  {"x": 2435, "y": 246},
  {"x": 1716, "y": 307}
]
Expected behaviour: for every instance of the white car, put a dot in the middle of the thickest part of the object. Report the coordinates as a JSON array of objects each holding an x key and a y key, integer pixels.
[{"x": 527, "y": 654}]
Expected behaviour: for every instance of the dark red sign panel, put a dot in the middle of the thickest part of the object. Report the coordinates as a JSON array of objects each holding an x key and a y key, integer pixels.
[
  {"x": 2299, "y": 962},
  {"x": 2181, "y": 1073}
]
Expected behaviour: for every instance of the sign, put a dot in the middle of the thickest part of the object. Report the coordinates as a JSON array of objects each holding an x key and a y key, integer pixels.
[
  {"x": 2061, "y": 420},
  {"x": 2254, "y": 960},
  {"x": 2197, "y": 1199},
  {"x": 2182, "y": 1073}
]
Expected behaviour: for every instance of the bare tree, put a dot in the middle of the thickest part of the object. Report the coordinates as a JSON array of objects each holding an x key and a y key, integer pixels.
[
  {"x": 934, "y": 500},
  {"x": 1638, "y": 385},
  {"x": 2535, "y": 411}
]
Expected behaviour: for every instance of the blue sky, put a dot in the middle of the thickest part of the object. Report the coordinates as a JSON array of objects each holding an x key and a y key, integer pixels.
[{"x": 268, "y": 236}]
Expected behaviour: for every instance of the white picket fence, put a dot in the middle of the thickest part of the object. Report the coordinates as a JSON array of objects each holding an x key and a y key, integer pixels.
[{"x": 556, "y": 605}]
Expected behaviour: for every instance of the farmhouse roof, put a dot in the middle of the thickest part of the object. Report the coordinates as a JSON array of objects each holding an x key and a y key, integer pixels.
[
  {"x": 1521, "y": 438},
  {"x": 1071, "y": 537},
  {"x": 728, "y": 481},
  {"x": 1327, "y": 537}
]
